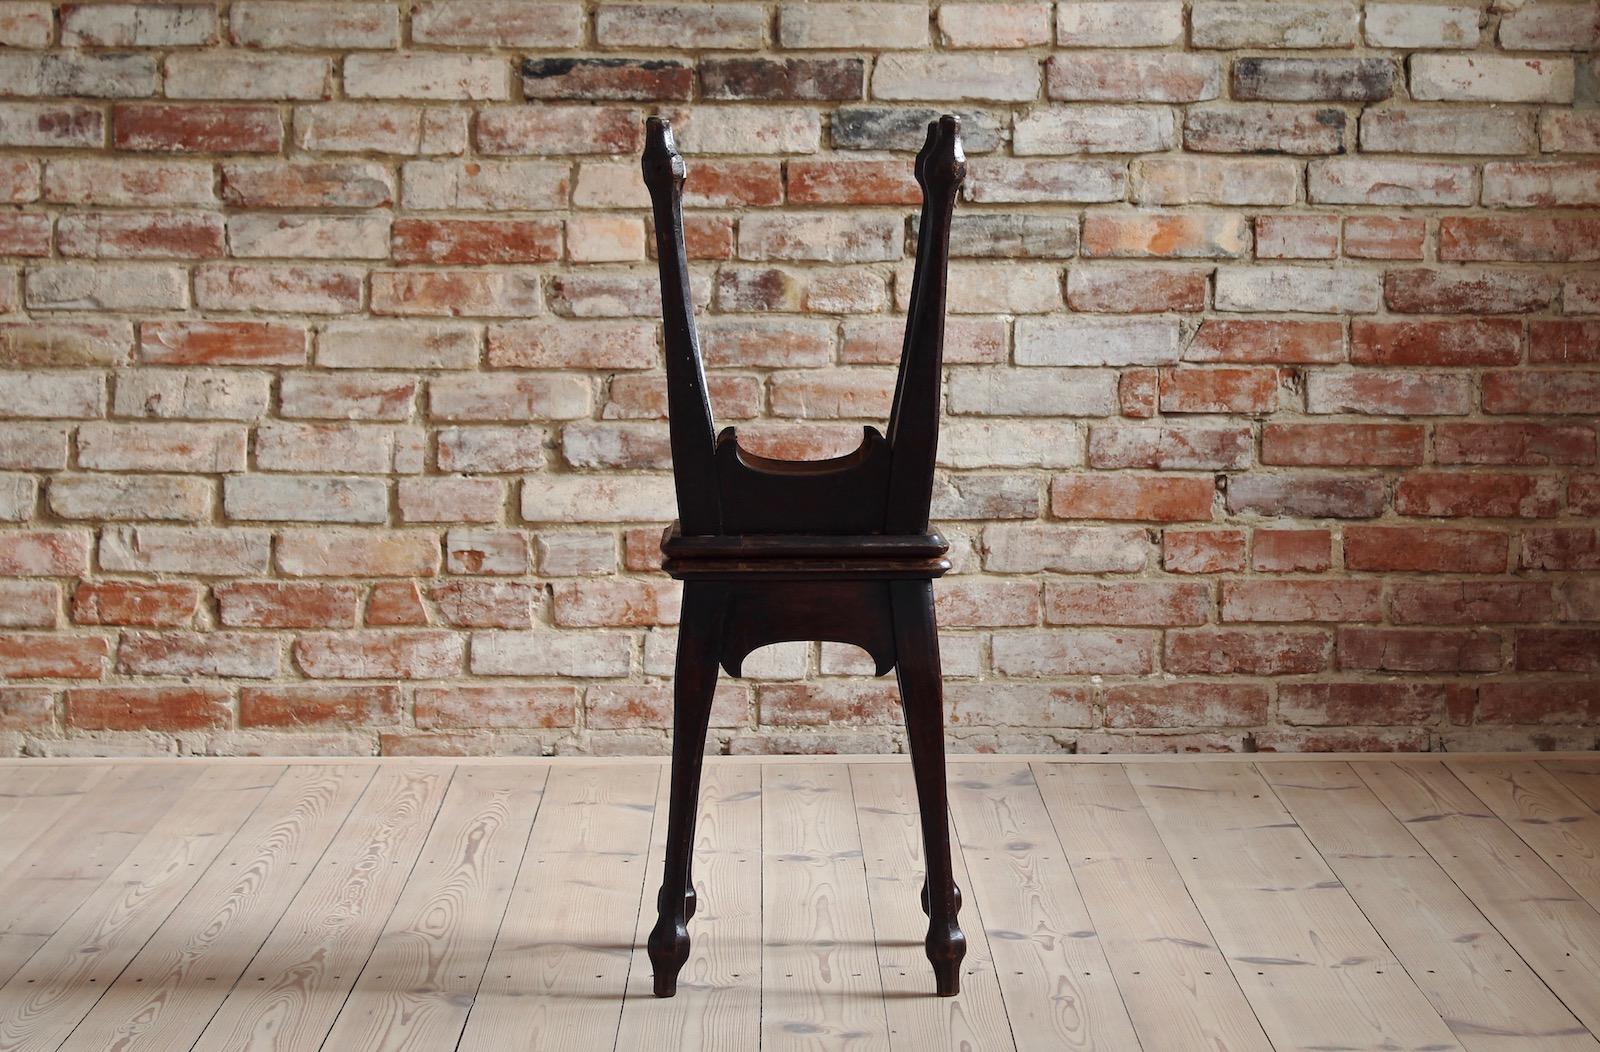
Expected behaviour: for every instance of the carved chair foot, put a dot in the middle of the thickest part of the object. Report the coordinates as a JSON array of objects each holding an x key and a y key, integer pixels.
[
  {"x": 669, "y": 952},
  {"x": 954, "y": 887},
  {"x": 689, "y": 899},
  {"x": 946, "y": 947}
]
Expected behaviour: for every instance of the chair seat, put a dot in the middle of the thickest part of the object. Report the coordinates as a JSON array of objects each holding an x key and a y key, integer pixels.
[{"x": 804, "y": 556}]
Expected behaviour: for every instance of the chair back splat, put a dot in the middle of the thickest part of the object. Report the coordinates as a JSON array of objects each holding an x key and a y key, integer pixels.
[{"x": 777, "y": 550}]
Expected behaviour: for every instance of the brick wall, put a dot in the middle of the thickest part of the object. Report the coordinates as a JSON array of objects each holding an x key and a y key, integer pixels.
[{"x": 331, "y": 411}]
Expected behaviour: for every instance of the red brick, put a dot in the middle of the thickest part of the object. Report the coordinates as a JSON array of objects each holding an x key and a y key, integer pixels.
[
  {"x": 1561, "y": 549},
  {"x": 44, "y": 553},
  {"x": 221, "y": 343},
  {"x": 962, "y": 602},
  {"x": 1223, "y": 390},
  {"x": 1127, "y": 603},
  {"x": 1424, "y": 549},
  {"x": 1453, "y": 291},
  {"x": 1165, "y": 235},
  {"x": 817, "y": 704},
  {"x": 1302, "y": 601},
  {"x": 614, "y": 601},
  {"x": 732, "y": 184},
  {"x": 543, "y": 130},
  {"x": 1291, "y": 551},
  {"x": 1541, "y": 392},
  {"x": 1135, "y": 290},
  {"x": 1240, "y": 651},
  {"x": 852, "y": 182},
  {"x": 790, "y": 78},
  {"x": 606, "y": 78},
  {"x": 1524, "y": 239},
  {"x": 290, "y": 706},
  {"x": 1384, "y": 237},
  {"x": 1144, "y": 498},
  {"x": 1563, "y": 342},
  {"x": 1419, "y": 650},
  {"x": 1297, "y": 237},
  {"x": 1133, "y": 76},
  {"x": 1469, "y": 602},
  {"x": 1368, "y": 445},
  {"x": 165, "y": 708},
  {"x": 1392, "y": 393},
  {"x": 139, "y": 235},
  {"x": 485, "y": 603},
  {"x": 1558, "y": 649},
  {"x": 26, "y": 708},
  {"x": 1541, "y": 702},
  {"x": 146, "y": 603},
  {"x": 273, "y": 184},
  {"x": 1137, "y": 393},
  {"x": 1478, "y": 494},
  {"x": 43, "y": 656},
  {"x": 1202, "y": 551},
  {"x": 1514, "y": 443},
  {"x": 1373, "y": 704},
  {"x": 242, "y": 654},
  {"x": 1169, "y": 448},
  {"x": 476, "y": 241},
  {"x": 1306, "y": 496},
  {"x": 508, "y": 706},
  {"x": 1476, "y": 341},
  {"x": 1267, "y": 342},
  {"x": 1186, "y": 705},
  {"x": 24, "y": 234},
  {"x": 396, "y": 603},
  {"x": 197, "y": 128},
  {"x": 377, "y": 653}
]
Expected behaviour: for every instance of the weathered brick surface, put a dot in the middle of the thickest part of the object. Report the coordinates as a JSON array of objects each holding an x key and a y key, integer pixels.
[{"x": 331, "y": 392}]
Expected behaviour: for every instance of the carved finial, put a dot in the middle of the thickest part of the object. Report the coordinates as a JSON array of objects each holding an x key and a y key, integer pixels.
[
  {"x": 662, "y": 163},
  {"x": 946, "y": 164},
  {"x": 920, "y": 169}
]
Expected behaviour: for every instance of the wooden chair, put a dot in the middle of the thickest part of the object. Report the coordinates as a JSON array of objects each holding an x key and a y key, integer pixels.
[{"x": 840, "y": 549}]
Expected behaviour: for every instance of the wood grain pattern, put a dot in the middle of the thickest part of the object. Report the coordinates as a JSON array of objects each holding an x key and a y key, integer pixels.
[
  {"x": 1216, "y": 905},
  {"x": 58, "y": 985},
  {"x": 81, "y": 844},
  {"x": 415, "y": 990},
  {"x": 1548, "y": 816},
  {"x": 819, "y": 970},
  {"x": 1177, "y": 985},
  {"x": 1487, "y": 995},
  {"x": 556, "y": 976},
  {"x": 1315, "y": 971},
  {"x": 1548, "y": 923},
  {"x": 294, "y": 986},
  {"x": 173, "y": 986},
  {"x": 719, "y": 1008},
  {"x": 1058, "y": 988},
  {"x": 891, "y": 837}
]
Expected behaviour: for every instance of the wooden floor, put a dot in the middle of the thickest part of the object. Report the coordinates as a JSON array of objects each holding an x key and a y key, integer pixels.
[{"x": 1169, "y": 904}]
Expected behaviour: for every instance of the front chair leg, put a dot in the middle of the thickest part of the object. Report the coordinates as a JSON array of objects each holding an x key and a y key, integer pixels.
[
  {"x": 916, "y": 640},
  {"x": 699, "y": 644}
]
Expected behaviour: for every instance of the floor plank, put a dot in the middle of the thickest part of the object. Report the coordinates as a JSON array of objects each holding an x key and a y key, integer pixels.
[
  {"x": 556, "y": 976},
  {"x": 1548, "y": 923},
  {"x": 1487, "y": 994},
  {"x": 1057, "y": 985},
  {"x": 1548, "y": 816},
  {"x": 718, "y": 1006},
  {"x": 1581, "y": 778},
  {"x": 293, "y": 988},
  {"x": 172, "y": 987},
  {"x": 70, "y": 857},
  {"x": 1313, "y": 968},
  {"x": 819, "y": 969},
  {"x": 414, "y": 992},
  {"x": 891, "y": 834},
  {"x": 60, "y": 983},
  {"x": 1177, "y": 985}
]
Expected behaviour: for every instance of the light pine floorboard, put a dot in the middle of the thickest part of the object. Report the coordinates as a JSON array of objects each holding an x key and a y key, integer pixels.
[
  {"x": 1484, "y": 991},
  {"x": 820, "y": 986},
  {"x": 1058, "y": 987},
  {"x": 560, "y": 963},
  {"x": 891, "y": 838},
  {"x": 718, "y": 1007},
  {"x": 1213, "y": 904},
  {"x": 1313, "y": 968},
  {"x": 1540, "y": 914},
  {"x": 1177, "y": 985}
]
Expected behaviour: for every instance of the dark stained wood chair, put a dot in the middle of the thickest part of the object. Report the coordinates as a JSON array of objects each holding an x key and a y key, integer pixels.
[{"x": 840, "y": 549}]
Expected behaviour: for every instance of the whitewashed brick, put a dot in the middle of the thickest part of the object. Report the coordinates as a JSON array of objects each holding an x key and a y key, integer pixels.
[
  {"x": 1316, "y": 290},
  {"x": 1097, "y": 341}
]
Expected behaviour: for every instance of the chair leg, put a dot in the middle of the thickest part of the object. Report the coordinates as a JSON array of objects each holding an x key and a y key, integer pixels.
[
  {"x": 922, "y": 693},
  {"x": 699, "y": 642}
]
